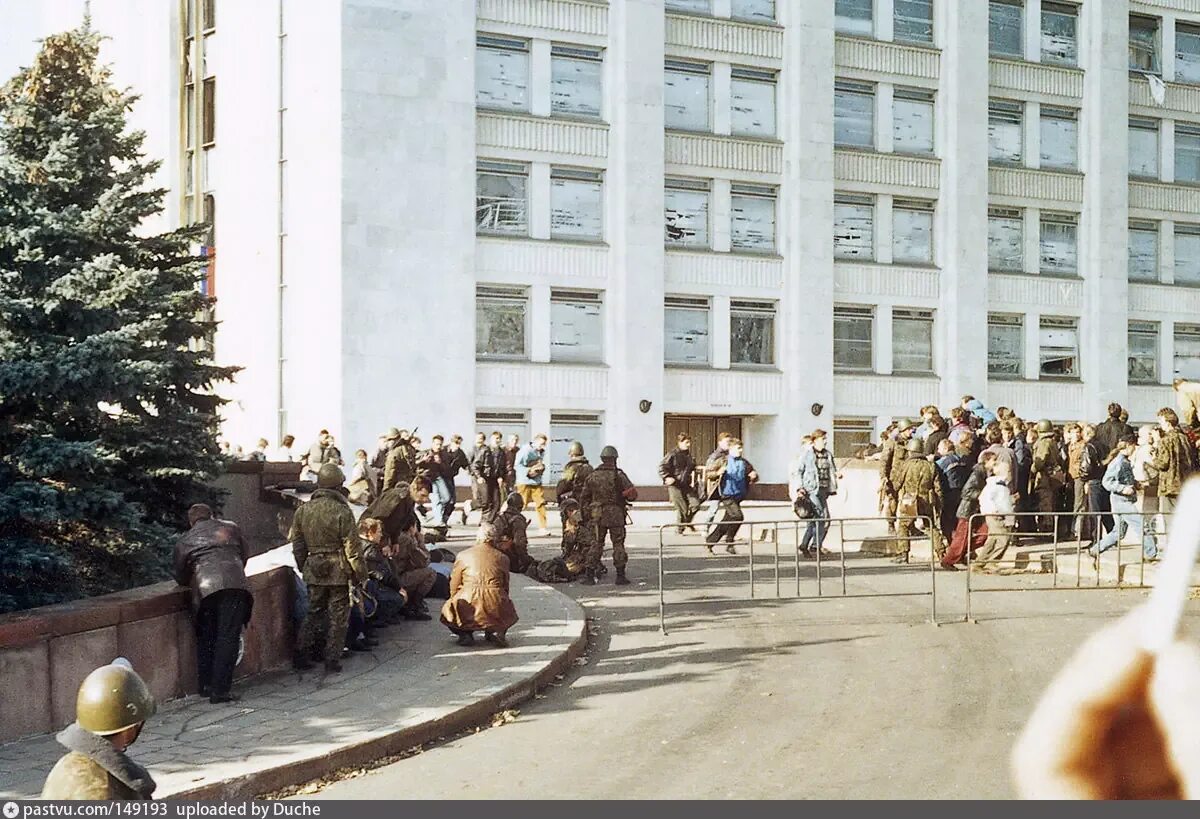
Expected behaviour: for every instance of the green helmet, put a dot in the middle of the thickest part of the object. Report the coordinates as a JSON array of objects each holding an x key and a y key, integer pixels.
[
  {"x": 609, "y": 452},
  {"x": 914, "y": 445},
  {"x": 575, "y": 450},
  {"x": 1044, "y": 425},
  {"x": 905, "y": 425},
  {"x": 111, "y": 699},
  {"x": 330, "y": 476}
]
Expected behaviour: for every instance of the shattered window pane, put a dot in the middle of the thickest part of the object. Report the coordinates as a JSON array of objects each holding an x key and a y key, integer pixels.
[
  {"x": 752, "y": 107},
  {"x": 853, "y": 231},
  {"x": 502, "y": 75},
  {"x": 1143, "y": 148},
  {"x": 1059, "y": 42},
  {"x": 1187, "y": 256},
  {"x": 1143, "y": 352},
  {"x": 913, "y": 21},
  {"x": 1143, "y": 253},
  {"x": 500, "y": 325},
  {"x": 854, "y": 115},
  {"x": 576, "y": 208},
  {"x": 756, "y": 11},
  {"x": 562, "y": 434},
  {"x": 1005, "y": 140},
  {"x": 912, "y": 343},
  {"x": 1187, "y": 351},
  {"x": 1005, "y": 28},
  {"x": 693, "y": 6},
  {"x": 752, "y": 335},
  {"x": 912, "y": 236},
  {"x": 852, "y": 330},
  {"x": 753, "y": 223},
  {"x": 500, "y": 204},
  {"x": 1006, "y": 346},
  {"x": 1187, "y": 154},
  {"x": 575, "y": 86},
  {"x": 685, "y": 100},
  {"x": 1143, "y": 44},
  {"x": 912, "y": 122},
  {"x": 1059, "y": 349},
  {"x": 1059, "y": 248},
  {"x": 1187, "y": 53},
  {"x": 1059, "y": 138},
  {"x": 686, "y": 339},
  {"x": 854, "y": 17},
  {"x": 1006, "y": 243},
  {"x": 576, "y": 328},
  {"x": 686, "y": 213}
]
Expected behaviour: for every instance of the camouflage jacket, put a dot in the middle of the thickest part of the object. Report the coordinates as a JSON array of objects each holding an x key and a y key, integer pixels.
[
  {"x": 95, "y": 770},
  {"x": 1174, "y": 459},
  {"x": 400, "y": 466},
  {"x": 325, "y": 541},
  {"x": 899, "y": 459},
  {"x": 606, "y": 494},
  {"x": 919, "y": 479},
  {"x": 576, "y": 545},
  {"x": 574, "y": 476},
  {"x": 1048, "y": 467},
  {"x": 513, "y": 526}
]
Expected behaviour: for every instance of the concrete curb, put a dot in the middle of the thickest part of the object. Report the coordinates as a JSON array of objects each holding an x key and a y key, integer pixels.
[{"x": 306, "y": 770}]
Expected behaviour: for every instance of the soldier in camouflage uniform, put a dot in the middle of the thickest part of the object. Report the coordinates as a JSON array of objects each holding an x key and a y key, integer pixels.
[
  {"x": 511, "y": 533},
  {"x": 1048, "y": 474},
  {"x": 580, "y": 555},
  {"x": 890, "y": 466},
  {"x": 401, "y": 464},
  {"x": 327, "y": 550},
  {"x": 920, "y": 495},
  {"x": 606, "y": 494},
  {"x": 574, "y": 475}
]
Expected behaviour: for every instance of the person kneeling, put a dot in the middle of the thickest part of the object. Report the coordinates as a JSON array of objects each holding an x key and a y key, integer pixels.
[
  {"x": 580, "y": 552},
  {"x": 479, "y": 598}
]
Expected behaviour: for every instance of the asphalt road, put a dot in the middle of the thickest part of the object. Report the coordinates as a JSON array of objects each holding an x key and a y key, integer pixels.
[{"x": 772, "y": 699}]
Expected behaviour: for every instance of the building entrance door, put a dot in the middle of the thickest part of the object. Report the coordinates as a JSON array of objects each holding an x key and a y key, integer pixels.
[{"x": 702, "y": 428}]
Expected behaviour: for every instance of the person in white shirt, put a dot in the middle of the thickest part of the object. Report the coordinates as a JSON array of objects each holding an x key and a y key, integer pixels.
[
  {"x": 284, "y": 453},
  {"x": 996, "y": 501}
]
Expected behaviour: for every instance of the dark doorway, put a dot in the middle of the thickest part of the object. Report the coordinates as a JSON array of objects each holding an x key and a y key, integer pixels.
[{"x": 703, "y": 429}]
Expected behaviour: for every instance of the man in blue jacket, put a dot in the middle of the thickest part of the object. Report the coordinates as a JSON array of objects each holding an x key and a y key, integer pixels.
[
  {"x": 818, "y": 480},
  {"x": 733, "y": 475},
  {"x": 530, "y": 466},
  {"x": 1122, "y": 488}
]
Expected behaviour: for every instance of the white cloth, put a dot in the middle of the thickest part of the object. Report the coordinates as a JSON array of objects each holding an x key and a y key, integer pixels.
[{"x": 996, "y": 499}]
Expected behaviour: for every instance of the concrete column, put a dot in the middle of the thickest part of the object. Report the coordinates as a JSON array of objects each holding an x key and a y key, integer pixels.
[
  {"x": 720, "y": 332},
  {"x": 884, "y": 228},
  {"x": 539, "y": 78},
  {"x": 721, "y": 205},
  {"x": 636, "y": 258},
  {"x": 1167, "y": 33},
  {"x": 1166, "y": 149},
  {"x": 1033, "y": 135},
  {"x": 884, "y": 101},
  {"x": 1166, "y": 251},
  {"x": 962, "y": 210},
  {"x": 885, "y": 20},
  {"x": 539, "y": 422},
  {"x": 1104, "y": 229},
  {"x": 1033, "y": 341},
  {"x": 883, "y": 339},
  {"x": 1166, "y": 351},
  {"x": 539, "y": 323},
  {"x": 1033, "y": 241},
  {"x": 1033, "y": 30},
  {"x": 722, "y": 93},
  {"x": 722, "y": 8},
  {"x": 539, "y": 200}
]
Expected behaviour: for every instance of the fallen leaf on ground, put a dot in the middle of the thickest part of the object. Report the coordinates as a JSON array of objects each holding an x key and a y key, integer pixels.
[
  {"x": 581, "y": 661},
  {"x": 505, "y": 717}
]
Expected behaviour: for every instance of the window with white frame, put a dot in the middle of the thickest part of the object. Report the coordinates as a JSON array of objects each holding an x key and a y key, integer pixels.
[
  {"x": 576, "y": 204},
  {"x": 686, "y": 336},
  {"x": 1143, "y": 352},
  {"x": 1005, "y": 131},
  {"x": 1006, "y": 240},
  {"x": 752, "y": 333},
  {"x": 912, "y": 21},
  {"x": 753, "y": 11},
  {"x": 752, "y": 102},
  {"x": 1187, "y": 153},
  {"x": 855, "y": 17},
  {"x": 853, "y": 332},
  {"x": 752, "y": 218},
  {"x": 1059, "y": 243},
  {"x": 852, "y": 435},
  {"x": 576, "y": 80},
  {"x": 1187, "y": 254},
  {"x": 690, "y": 6},
  {"x": 912, "y": 121},
  {"x": 686, "y": 95},
  {"x": 565, "y": 428},
  {"x": 1006, "y": 346},
  {"x": 912, "y": 341},
  {"x": 1006, "y": 28},
  {"x": 506, "y": 422},
  {"x": 853, "y": 227},
  {"x": 502, "y": 73},
  {"x": 1060, "y": 27},
  {"x": 500, "y": 322},
  {"x": 1143, "y": 147},
  {"x": 1144, "y": 44},
  {"x": 1059, "y": 128},
  {"x": 1058, "y": 340},
  {"x": 501, "y": 198},
  {"x": 854, "y": 114},
  {"x": 685, "y": 204},
  {"x": 1187, "y": 52},
  {"x": 1187, "y": 351},
  {"x": 1143, "y": 251},
  {"x": 912, "y": 231},
  {"x": 576, "y": 326}
]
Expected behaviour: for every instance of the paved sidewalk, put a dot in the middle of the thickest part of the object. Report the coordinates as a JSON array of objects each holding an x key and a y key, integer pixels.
[{"x": 289, "y": 727}]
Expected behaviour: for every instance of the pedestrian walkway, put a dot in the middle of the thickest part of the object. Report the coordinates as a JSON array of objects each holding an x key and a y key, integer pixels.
[{"x": 290, "y": 727}]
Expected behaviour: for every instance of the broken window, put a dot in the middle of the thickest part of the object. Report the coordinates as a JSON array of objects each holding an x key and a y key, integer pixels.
[
  {"x": 1187, "y": 153},
  {"x": 752, "y": 102},
  {"x": 576, "y": 326},
  {"x": 1058, "y": 341},
  {"x": 912, "y": 121},
  {"x": 1143, "y": 148},
  {"x": 1187, "y": 254},
  {"x": 1143, "y": 252},
  {"x": 501, "y": 204},
  {"x": 686, "y": 212},
  {"x": 754, "y": 11},
  {"x": 500, "y": 322},
  {"x": 752, "y": 213},
  {"x": 851, "y": 436},
  {"x": 912, "y": 21},
  {"x": 565, "y": 428},
  {"x": 691, "y": 6},
  {"x": 1143, "y": 44},
  {"x": 1006, "y": 240},
  {"x": 912, "y": 341},
  {"x": 1006, "y": 346},
  {"x": 1187, "y": 53},
  {"x": 576, "y": 204},
  {"x": 1005, "y": 138},
  {"x": 752, "y": 333},
  {"x": 502, "y": 73},
  {"x": 1143, "y": 352},
  {"x": 854, "y": 114},
  {"x": 506, "y": 422},
  {"x": 685, "y": 95},
  {"x": 853, "y": 330},
  {"x": 686, "y": 336},
  {"x": 854, "y": 227},
  {"x": 1006, "y": 28},
  {"x": 912, "y": 231},
  {"x": 1060, "y": 44},
  {"x": 1059, "y": 137},
  {"x": 854, "y": 17},
  {"x": 208, "y": 116},
  {"x": 1187, "y": 351},
  {"x": 1059, "y": 243},
  {"x": 575, "y": 78}
]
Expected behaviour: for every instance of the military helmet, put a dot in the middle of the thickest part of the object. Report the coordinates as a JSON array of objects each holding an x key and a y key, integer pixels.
[
  {"x": 914, "y": 445},
  {"x": 905, "y": 425},
  {"x": 575, "y": 450},
  {"x": 1044, "y": 425},
  {"x": 568, "y": 505},
  {"x": 330, "y": 476},
  {"x": 514, "y": 502},
  {"x": 392, "y": 434},
  {"x": 609, "y": 452},
  {"x": 113, "y": 698}
]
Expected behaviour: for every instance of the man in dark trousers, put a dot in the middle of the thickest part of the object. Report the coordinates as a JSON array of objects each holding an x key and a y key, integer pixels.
[
  {"x": 678, "y": 472},
  {"x": 488, "y": 466},
  {"x": 733, "y": 477},
  {"x": 1111, "y": 431},
  {"x": 211, "y": 559},
  {"x": 607, "y": 493}
]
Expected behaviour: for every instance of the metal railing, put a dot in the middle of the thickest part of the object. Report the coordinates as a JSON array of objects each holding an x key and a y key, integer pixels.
[{"x": 795, "y": 525}]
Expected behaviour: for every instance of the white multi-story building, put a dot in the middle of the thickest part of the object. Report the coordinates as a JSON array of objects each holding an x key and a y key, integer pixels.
[{"x": 615, "y": 221}]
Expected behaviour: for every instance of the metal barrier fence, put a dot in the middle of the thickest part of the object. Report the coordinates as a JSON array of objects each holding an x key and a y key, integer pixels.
[
  {"x": 1053, "y": 542},
  {"x": 774, "y": 526}
]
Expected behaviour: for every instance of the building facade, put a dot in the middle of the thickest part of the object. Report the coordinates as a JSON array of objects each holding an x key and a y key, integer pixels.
[{"x": 613, "y": 222}]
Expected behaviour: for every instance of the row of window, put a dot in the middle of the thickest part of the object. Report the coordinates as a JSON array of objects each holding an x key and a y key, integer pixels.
[
  {"x": 1058, "y": 36},
  {"x": 1145, "y": 47},
  {"x": 1058, "y": 242},
  {"x": 854, "y": 117},
  {"x": 1144, "y": 150},
  {"x": 854, "y": 229},
  {"x": 753, "y": 11},
  {"x": 912, "y": 20},
  {"x": 577, "y": 328},
  {"x": 565, "y": 427},
  {"x": 1144, "y": 253},
  {"x": 1058, "y": 135}
]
